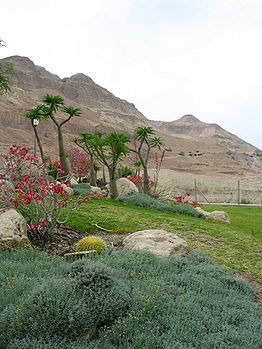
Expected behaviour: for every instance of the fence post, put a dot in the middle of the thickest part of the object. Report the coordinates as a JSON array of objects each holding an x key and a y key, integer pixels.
[
  {"x": 195, "y": 185},
  {"x": 238, "y": 192}
]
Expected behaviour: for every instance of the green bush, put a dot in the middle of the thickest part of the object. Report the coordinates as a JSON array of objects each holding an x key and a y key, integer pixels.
[
  {"x": 127, "y": 171},
  {"x": 91, "y": 243},
  {"x": 77, "y": 298},
  {"x": 144, "y": 200},
  {"x": 82, "y": 189},
  {"x": 185, "y": 302}
]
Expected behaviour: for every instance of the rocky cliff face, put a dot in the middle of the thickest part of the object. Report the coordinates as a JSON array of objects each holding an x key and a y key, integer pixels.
[{"x": 194, "y": 146}]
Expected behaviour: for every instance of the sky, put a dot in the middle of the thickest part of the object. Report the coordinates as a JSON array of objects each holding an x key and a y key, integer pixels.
[{"x": 168, "y": 57}]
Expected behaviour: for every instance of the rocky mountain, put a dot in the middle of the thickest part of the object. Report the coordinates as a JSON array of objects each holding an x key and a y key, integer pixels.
[{"x": 193, "y": 146}]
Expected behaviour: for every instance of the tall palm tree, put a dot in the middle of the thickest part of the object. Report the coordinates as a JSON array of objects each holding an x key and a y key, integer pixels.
[
  {"x": 56, "y": 103},
  {"x": 145, "y": 143},
  {"x": 37, "y": 113}
]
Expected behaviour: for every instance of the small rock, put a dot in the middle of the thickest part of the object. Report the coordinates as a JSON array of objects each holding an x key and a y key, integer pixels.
[
  {"x": 95, "y": 190},
  {"x": 73, "y": 181},
  {"x": 216, "y": 216},
  {"x": 159, "y": 242},
  {"x": 13, "y": 230},
  {"x": 125, "y": 186}
]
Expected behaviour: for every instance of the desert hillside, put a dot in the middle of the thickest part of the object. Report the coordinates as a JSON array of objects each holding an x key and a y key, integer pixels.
[{"x": 194, "y": 146}]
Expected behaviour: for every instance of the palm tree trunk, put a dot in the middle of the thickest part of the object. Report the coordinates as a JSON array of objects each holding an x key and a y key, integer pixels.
[
  {"x": 62, "y": 156},
  {"x": 112, "y": 183},
  {"x": 146, "y": 181},
  {"x": 92, "y": 172},
  {"x": 38, "y": 143}
]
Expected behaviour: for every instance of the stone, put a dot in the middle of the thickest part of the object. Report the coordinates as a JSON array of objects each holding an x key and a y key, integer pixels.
[
  {"x": 73, "y": 181},
  {"x": 159, "y": 242},
  {"x": 216, "y": 216},
  {"x": 95, "y": 190},
  {"x": 13, "y": 230},
  {"x": 203, "y": 212},
  {"x": 125, "y": 186}
]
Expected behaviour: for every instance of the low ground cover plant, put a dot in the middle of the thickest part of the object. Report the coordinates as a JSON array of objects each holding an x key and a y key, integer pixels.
[
  {"x": 138, "y": 300},
  {"x": 82, "y": 189},
  {"x": 146, "y": 201}
]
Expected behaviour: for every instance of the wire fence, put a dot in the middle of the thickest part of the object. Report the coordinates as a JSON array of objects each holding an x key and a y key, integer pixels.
[{"x": 240, "y": 192}]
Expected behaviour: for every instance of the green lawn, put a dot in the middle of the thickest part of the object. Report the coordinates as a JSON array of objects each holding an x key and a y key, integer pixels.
[{"x": 238, "y": 245}]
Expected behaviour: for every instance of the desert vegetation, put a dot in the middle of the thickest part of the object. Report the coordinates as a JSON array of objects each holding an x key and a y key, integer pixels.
[
  {"x": 103, "y": 302},
  {"x": 70, "y": 285}
]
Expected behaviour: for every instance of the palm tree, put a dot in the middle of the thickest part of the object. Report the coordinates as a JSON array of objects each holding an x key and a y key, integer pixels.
[
  {"x": 146, "y": 143},
  {"x": 56, "y": 103},
  {"x": 110, "y": 149},
  {"x": 37, "y": 113}
]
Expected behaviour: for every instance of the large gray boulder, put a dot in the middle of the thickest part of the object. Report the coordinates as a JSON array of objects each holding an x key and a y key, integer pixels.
[
  {"x": 216, "y": 216},
  {"x": 159, "y": 242},
  {"x": 13, "y": 230},
  {"x": 125, "y": 186}
]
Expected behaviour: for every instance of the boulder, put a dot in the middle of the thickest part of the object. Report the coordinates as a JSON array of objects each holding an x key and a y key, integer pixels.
[
  {"x": 13, "y": 230},
  {"x": 95, "y": 190},
  {"x": 125, "y": 186},
  {"x": 219, "y": 216},
  {"x": 159, "y": 242},
  {"x": 203, "y": 212},
  {"x": 216, "y": 216}
]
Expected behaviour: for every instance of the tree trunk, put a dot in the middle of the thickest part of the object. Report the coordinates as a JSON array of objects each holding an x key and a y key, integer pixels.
[
  {"x": 146, "y": 184},
  {"x": 38, "y": 143},
  {"x": 112, "y": 183},
  {"x": 62, "y": 156},
  {"x": 104, "y": 175},
  {"x": 92, "y": 172}
]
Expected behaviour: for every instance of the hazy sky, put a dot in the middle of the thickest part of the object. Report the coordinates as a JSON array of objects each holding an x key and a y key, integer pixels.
[{"x": 168, "y": 57}]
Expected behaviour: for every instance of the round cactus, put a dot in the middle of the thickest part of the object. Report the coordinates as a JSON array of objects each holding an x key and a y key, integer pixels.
[{"x": 91, "y": 243}]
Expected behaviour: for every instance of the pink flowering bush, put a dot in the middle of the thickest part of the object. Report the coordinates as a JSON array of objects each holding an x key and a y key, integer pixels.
[
  {"x": 139, "y": 180},
  {"x": 25, "y": 186},
  {"x": 186, "y": 199},
  {"x": 79, "y": 162}
]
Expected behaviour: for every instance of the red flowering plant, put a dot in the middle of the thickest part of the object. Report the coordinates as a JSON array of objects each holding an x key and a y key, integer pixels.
[
  {"x": 25, "y": 186},
  {"x": 186, "y": 199},
  {"x": 139, "y": 180},
  {"x": 79, "y": 161}
]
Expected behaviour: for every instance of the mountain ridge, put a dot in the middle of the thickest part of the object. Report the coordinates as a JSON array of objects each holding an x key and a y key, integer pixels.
[{"x": 101, "y": 108}]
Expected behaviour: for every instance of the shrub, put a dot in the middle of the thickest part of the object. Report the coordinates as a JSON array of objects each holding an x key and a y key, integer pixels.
[
  {"x": 245, "y": 201},
  {"x": 79, "y": 162},
  {"x": 139, "y": 182},
  {"x": 127, "y": 171},
  {"x": 143, "y": 200},
  {"x": 185, "y": 302},
  {"x": 64, "y": 305},
  {"x": 82, "y": 189},
  {"x": 91, "y": 243},
  {"x": 25, "y": 186},
  {"x": 186, "y": 199}
]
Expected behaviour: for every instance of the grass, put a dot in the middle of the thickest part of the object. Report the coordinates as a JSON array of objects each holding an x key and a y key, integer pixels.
[{"x": 237, "y": 246}]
